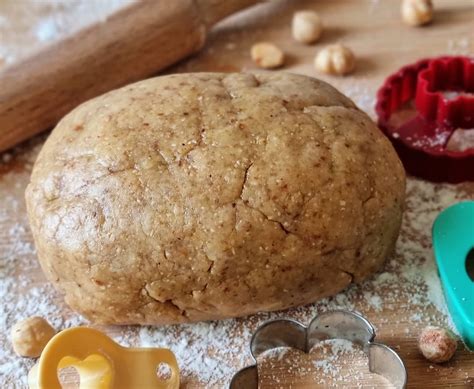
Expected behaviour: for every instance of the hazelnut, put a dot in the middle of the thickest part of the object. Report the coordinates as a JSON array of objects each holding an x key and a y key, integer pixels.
[
  {"x": 437, "y": 344},
  {"x": 306, "y": 26},
  {"x": 335, "y": 59},
  {"x": 267, "y": 55},
  {"x": 417, "y": 12},
  {"x": 30, "y": 336}
]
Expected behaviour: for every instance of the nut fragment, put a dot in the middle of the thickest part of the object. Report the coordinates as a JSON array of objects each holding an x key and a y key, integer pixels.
[
  {"x": 306, "y": 26},
  {"x": 437, "y": 344},
  {"x": 30, "y": 336},
  {"x": 335, "y": 59},
  {"x": 417, "y": 12},
  {"x": 267, "y": 55}
]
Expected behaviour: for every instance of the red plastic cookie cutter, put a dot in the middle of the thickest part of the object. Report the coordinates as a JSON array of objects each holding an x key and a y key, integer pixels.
[{"x": 427, "y": 110}]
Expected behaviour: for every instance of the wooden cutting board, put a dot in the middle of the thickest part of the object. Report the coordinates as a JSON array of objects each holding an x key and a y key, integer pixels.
[{"x": 382, "y": 44}]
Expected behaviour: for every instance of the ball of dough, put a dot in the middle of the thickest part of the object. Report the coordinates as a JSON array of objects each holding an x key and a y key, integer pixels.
[
  {"x": 306, "y": 26},
  {"x": 335, "y": 59},
  {"x": 209, "y": 195},
  {"x": 437, "y": 344},
  {"x": 30, "y": 336}
]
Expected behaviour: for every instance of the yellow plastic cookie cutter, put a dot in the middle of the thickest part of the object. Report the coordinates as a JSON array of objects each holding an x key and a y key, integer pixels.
[{"x": 102, "y": 363}]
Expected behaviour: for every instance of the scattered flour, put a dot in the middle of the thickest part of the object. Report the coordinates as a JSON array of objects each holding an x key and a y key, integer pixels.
[
  {"x": 211, "y": 352},
  {"x": 337, "y": 354},
  {"x": 26, "y": 25},
  {"x": 345, "y": 363},
  {"x": 46, "y": 30},
  {"x": 460, "y": 46},
  {"x": 408, "y": 289},
  {"x": 362, "y": 95}
]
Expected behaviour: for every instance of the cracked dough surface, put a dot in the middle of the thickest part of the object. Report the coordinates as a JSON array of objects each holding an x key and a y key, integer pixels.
[{"x": 204, "y": 196}]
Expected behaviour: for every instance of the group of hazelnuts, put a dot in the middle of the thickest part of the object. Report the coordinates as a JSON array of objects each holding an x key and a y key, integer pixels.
[
  {"x": 30, "y": 336},
  {"x": 336, "y": 59}
]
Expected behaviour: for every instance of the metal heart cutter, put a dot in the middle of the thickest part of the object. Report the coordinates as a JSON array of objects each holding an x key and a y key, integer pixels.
[
  {"x": 338, "y": 324},
  {"x": 427, "y": 111}
]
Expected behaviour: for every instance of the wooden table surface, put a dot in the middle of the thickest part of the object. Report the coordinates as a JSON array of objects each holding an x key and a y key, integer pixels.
[{"x": 382, "y": 44}]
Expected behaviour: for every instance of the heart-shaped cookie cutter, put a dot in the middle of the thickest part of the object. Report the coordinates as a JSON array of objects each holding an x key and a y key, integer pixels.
[
  {"x": 432, "y": 98},
  {"x": 337, "y": 324}
]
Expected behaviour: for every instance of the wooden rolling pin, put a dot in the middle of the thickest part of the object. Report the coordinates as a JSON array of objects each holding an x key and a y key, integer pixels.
[{"x": 130, "y": 45}]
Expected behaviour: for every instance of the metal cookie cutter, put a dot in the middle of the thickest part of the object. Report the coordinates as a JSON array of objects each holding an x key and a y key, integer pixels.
[{"x": 338, "y": 324}]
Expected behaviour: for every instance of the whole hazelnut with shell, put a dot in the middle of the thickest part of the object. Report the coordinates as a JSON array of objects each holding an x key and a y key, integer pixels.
[
  {"x": 437, "y": 344},
  {"x": 267, "y": 55},
  {"x": 416, "y": 12},
  {"x": 30, "y": 336},
  {"x": 306, "y": 26},
  {"x": 335, "y": 59}
]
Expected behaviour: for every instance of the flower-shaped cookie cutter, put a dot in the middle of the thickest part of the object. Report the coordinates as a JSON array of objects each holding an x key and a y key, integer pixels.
[
  {"x": 421, "y": 107},
  {"x": 337, "y": 324}
]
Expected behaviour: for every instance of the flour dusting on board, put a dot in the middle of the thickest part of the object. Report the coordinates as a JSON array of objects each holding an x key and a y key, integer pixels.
[
  {"x": 408, "y": 289},
  {"x": 25, "y": 26},
  {"x": 341, "y": 360},
  {"x": 212, "y": 352}
]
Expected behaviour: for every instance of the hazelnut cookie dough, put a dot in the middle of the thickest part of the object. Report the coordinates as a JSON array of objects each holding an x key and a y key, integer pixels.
[{"x": 205, "y": 196}]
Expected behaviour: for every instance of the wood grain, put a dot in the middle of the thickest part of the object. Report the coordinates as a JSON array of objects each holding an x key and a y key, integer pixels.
[
  {"x": 382, "y": 44},
  {"x": 133, "y": 43}
]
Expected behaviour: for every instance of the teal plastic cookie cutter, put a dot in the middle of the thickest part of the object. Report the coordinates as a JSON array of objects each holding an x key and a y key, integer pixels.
[{"x": 453, "y": 245}]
